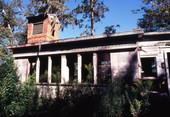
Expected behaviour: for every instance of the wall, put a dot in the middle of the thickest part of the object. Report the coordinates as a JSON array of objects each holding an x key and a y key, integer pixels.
[
  {"x": 124, "y": 64},
  {"x": 22, "y": 68}
]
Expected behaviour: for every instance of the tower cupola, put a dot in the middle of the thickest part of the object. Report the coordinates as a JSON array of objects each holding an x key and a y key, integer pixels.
[{"x": 43, "y": 28}]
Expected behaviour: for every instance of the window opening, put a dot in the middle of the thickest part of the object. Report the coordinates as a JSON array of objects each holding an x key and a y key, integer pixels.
[
  {"x": 87, "y": 68},
  {"x": 149, "y": 67},
  {"x": 56, "y": 69},
  {"x": 72, "y": 64},
  {"x": 38, "y": 28},
  {"x": 43, "y": 69},
  {"x": 104, "y": 68}
]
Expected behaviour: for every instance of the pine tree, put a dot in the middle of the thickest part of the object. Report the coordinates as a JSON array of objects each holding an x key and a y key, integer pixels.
[
  {"x": 12, "y": 24},
  {"x": 156, "y": 15},
  {"x": 93, "y": 11},
  {"x": 16, "y": 99}
]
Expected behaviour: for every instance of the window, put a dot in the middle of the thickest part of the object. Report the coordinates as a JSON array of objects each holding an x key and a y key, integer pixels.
[
  {"x": 104, "y": 68},
  {"x": 38, "y": 28},
  {"x": 53, "y": 33},
  {"x": 149, "y": 67}
]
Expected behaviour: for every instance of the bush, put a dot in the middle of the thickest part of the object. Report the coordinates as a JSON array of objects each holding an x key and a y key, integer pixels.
[
  {"x": 122, "y": 100},
  {"x": 113, "y": 103},
  {"x": 16, "y": 99}
]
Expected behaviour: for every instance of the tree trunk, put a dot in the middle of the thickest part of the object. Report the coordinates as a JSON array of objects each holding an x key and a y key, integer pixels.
[
  {"x": 92, "y": 17},
  {"x": 11, "y": 36}
]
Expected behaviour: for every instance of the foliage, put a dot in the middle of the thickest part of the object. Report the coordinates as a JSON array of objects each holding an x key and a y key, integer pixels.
[
  {"x": 89, "y": 68},
  {"x": 43, "y": 77},
  {"x": 12, "y": 23},
  {"x": 56, "y": 74},
  {"x": 71, "y": 101},
  {"x": 57, "y": 7},
  {"x": 156, "y": 15},
  {"x": 113, "y": 103},
  {"x": 122, "y": 99},
  {"x": 16, "y": 99},
  {"x": 138, "y": 97},
  {"x": 31, "y": 78},
  {"x": 110, "y": 29},
  {"x": 93, "y": 11}
]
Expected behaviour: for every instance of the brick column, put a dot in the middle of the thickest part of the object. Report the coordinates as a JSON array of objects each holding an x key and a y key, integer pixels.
[
  {"x": 49, "y": 69},
  {"x": 95, "y": 67},
  {"x": 37, "y": 70},
  {"x": 79, "y": 67}
]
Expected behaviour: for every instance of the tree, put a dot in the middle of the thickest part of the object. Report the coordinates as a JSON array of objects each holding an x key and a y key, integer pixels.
[
  {"x": 93, "y": 11},
  {"x": 111, "y": 29},
  {"x": 12, "y": 23},
  {"x": 156, "y": 15},
  {"x": 16, "y": 99}
]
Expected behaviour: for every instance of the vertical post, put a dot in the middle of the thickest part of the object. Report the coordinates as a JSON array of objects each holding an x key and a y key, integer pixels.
[
  {"x": 139, "y": 65},
  {"x": 95, "y": 67},
  {"x": 37, "y": 70},
  {"x": 79, "y": 58},
  {"x": 112, "y": 66},
  {"x": 49, "y": 69},
  {"x": 64, "y": 70},
  {"x": 167, "y": 70}
]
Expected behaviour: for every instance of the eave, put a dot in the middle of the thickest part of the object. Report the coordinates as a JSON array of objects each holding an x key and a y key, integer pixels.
[{"x": 83, "y": 38}]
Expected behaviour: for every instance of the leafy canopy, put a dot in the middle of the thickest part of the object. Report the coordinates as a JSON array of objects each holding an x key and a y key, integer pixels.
[
  {"x": 90, "y": 11},
  {"x": 156, "y": 15}
]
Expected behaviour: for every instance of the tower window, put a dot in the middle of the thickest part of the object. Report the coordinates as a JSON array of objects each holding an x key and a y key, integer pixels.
[
  {"x": 38, "y": 28},
  {"x": 53, "y": 33}
]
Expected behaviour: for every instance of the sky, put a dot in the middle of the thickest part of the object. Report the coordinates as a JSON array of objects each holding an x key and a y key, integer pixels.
[{"x": 120, "y": 12}]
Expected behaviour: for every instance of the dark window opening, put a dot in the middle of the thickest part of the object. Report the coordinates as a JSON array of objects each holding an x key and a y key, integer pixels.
[
  {"x": 149, "y": 67},
  {"x": 53, "y": 33},
  {"x": 104, "y": 68},
  {"x": 56, "y": 69},
  {"x": 72, "y": 65},
  {"x": 38, "y": 28},
  {"x": 43, "y": 69},
  {"x": 87, "y": 68},
  {"x": 53, "y": 28},
  {"x": 32, "y": 69}
]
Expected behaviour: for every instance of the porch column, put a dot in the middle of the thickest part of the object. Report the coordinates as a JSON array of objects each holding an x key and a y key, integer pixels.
[
  {"x": 95, "y": 67},
  {"x": 79, "y": 58},
  {"x": 49, "y": 69},
  {"x": 37, "y": 70},
  {"x": 64, "y": 70}
]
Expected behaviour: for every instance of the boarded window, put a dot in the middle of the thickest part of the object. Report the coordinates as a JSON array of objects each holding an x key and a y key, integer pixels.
[
  {"x": 149, "y": 67},
  {"x": 38, "y": 28}
]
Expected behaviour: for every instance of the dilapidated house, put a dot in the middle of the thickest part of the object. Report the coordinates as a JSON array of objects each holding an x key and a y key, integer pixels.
[{"x": 93, "y": 59}]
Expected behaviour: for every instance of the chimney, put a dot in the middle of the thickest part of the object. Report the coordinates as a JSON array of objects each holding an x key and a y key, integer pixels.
[{"x": 43, "y": 28}]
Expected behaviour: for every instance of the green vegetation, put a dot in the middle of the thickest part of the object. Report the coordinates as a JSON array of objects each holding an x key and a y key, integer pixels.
[
  {"x": 117, "y": 99},
  {"x": 16, "y": 99},
  {"x": 89, "y": 77},
  {"x": 56, "y": 74},
  {"x": 156, "y": 15}
]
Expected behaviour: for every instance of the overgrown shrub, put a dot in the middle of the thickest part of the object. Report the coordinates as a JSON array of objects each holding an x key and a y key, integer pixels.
[
  {"x": 138, "y": 97},
  {"x": 122, "y": 100},
  {"x": 73, "y": 101},
  {"x": 16, "y": 99},
  {"x": 117, "y": 99},
  {"x": 113, "y": 103}
]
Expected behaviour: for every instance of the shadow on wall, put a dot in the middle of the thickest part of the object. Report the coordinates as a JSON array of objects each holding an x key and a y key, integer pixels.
[{"x": 127, "y": 67}]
